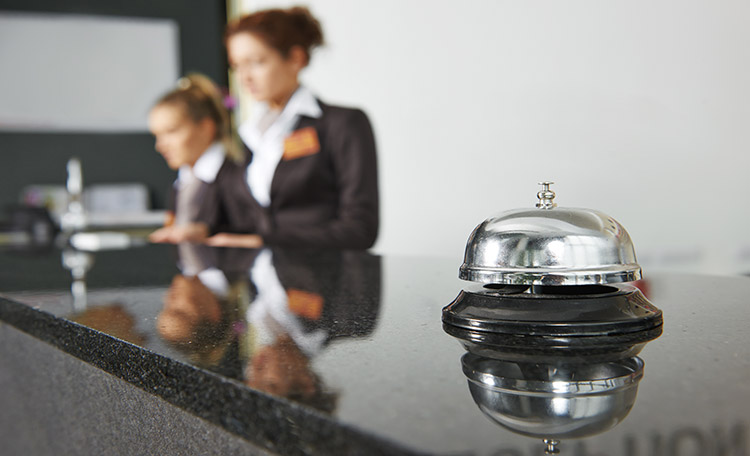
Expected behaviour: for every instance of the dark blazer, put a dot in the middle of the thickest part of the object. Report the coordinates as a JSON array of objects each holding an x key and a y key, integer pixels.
[
  {"x": 209, "y": 209},
  {"x": 326, "y": 199}
]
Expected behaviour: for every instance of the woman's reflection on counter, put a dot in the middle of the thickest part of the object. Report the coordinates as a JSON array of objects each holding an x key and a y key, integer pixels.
[
  {"x": 200, "y": 312},
  {"x": 113, "y": 319},
  {"x": 262, "y": 316},
  {"x": 280, "y": 340},
  {"x": 196, "y": 319}
]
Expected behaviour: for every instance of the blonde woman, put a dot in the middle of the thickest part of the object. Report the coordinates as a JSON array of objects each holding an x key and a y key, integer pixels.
[{"x": 193, "y": 134}]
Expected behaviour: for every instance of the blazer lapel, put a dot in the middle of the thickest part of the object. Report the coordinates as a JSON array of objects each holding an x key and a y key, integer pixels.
[{"x": 277, "y": 183}]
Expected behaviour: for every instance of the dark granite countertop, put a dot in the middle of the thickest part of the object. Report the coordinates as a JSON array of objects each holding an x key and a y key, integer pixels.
[{"x": 304, "y": 352}]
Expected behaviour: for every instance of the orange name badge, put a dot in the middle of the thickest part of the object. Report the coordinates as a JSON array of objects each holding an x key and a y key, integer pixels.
[{"x": 301, "y": 143}]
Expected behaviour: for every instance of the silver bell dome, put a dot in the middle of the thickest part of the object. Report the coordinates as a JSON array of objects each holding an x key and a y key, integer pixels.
[{"x": 550, "y": 245}]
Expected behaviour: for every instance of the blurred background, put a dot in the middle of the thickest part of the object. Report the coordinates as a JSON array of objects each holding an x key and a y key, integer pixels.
[{"x": 638, "y": 109}]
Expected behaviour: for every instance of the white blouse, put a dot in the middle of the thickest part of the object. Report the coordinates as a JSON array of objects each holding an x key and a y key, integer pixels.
[
  {"x": 190, "y": 181},
  {"x": 268, "y": 146},
  {"x": 205, "y": 168}
]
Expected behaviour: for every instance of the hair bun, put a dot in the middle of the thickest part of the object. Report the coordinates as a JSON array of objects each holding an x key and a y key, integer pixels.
[
  {"x": 309, "y": 26},
  {"x": 281, "y": 29}
]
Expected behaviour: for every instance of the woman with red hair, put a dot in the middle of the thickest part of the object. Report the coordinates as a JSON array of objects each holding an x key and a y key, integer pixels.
[{"x": 311, "y": 177}]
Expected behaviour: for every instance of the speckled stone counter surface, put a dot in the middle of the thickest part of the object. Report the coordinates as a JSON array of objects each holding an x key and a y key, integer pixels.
[{"x": 298, "y": 352}]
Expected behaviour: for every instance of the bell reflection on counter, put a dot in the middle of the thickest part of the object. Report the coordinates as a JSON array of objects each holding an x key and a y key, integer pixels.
[
  {"x": 262, "y": 316},
  {"x": 553, "y": 400}
]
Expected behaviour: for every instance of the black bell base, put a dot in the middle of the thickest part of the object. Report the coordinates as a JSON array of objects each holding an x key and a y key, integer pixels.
[{"x": 590, "y": 323}]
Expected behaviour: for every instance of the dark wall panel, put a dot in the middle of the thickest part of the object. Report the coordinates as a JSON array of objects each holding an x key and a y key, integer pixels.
[{"x": 40, "y": 158}]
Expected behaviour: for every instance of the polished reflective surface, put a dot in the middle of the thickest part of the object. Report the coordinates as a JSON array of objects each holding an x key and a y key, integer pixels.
[{"x": 359, "y": 338}]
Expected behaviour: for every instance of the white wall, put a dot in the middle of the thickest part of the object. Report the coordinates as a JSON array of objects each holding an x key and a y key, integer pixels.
[{"x": 637, "y": 108}]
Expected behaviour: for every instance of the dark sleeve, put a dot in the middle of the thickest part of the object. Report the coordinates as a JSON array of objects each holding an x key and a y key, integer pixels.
[
  {"x": 172, "y": 199},
  {"x": 212, "y": 211},
  {"x": 352, "y": 148},
  {"x": 236, "y": 210},
  {"x": 171, "y": 206}
]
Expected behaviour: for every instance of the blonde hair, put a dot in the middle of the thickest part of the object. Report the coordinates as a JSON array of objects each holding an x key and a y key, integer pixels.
[{"x": 200, "y": 98}]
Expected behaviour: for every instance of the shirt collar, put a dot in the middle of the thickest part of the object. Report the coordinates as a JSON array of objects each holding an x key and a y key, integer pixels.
[
  {"x": 206, "y": 167},
  {"x": 301, "y": 103}
]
